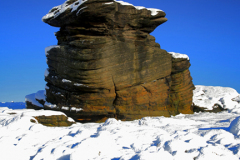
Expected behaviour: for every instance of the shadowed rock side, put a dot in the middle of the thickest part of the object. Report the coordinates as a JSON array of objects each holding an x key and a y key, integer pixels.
[
  {"x": 107, "y": 65},
  {"x": 181, "y": 86}
]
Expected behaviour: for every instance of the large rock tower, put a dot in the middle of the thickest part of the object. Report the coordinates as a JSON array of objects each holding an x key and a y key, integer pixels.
[{"x": 107, "y": 65}]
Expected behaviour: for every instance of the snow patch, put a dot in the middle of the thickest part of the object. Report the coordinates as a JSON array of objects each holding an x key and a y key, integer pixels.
[
  {"x": 46, "y": 72},
  {"x": 179, "y": 55},
  {"x": 40, "y": 95},
  {"x": 49, "y": 48},
  {"x": 56, "y": 11},
  {"x": 216, "y": 152},
  {"x": 237, "y": 99},
  {"x": 154, "y": 11},
  {"x": 139, "y": 7},
  {"x": 108, "y": 3},
  {"x": 31, "y": 98},
  {"x": 66, "y": 81},
  {"x": 80, "y": 10},
  {"x": 2, "y": 109},
  {"x": 50, "y": 105},
  {"x": 79, "y": 84},
  {"x": 65, "y": 108},
  {"x": 125, "y": 3},
  {"x": 35, "y": 113},
  {"x": 235, "y": 126},
  {"x": 70, "y": 119},
  {"x": 79, "y": 109},
  {"x": 46, "y": 87},
  {"x": 76, "y": 109}
]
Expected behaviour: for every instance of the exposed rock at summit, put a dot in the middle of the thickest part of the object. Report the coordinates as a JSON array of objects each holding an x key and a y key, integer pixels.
[
  {"x": 103, "y": 16},
  {"x": 106, "y": 64}
]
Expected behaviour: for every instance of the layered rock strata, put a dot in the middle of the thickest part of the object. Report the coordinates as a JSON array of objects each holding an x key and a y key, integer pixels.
[
  {"x": 181, "y": 90},
  {"x": 107, "y": 65}
]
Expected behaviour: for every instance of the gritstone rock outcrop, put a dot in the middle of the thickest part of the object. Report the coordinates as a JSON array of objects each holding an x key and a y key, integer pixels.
[{"x": 106, "y": 64}]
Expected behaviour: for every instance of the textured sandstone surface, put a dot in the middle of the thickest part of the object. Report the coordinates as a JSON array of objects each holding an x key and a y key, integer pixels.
[
  {"x": 107, "y": 65},
  {"x": 54, "y": 121}
]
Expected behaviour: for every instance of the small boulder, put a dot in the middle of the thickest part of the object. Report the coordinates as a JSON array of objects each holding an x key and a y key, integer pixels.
[{"x": 54, "y": 121}]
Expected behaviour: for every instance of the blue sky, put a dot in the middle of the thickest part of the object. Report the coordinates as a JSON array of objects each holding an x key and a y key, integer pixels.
[{"x": 206, "y": 30}]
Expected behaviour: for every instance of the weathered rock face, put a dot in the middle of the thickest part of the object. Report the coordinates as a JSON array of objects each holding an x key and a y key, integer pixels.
[
  {"x": 181, "y": 90},
  {"x": 107, "y": 65}
]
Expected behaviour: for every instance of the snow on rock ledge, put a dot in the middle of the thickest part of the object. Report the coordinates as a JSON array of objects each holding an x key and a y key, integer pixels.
[
  {"x": 31, "y": 99},
  {"x": 154, "y": 11},
  {"x": 179, "y": 55},
  {"x": 49, "y": 48},
  {"x": 58, "y": 10},
  {"x": 79, "y": 12}
]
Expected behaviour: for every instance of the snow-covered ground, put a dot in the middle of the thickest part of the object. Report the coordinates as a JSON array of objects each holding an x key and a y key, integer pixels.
[
  {"x": 200, "y": 136},
  {"x": 207, "y": 96}
]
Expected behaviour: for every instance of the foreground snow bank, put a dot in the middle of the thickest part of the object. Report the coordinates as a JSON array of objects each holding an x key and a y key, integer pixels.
[{"x": 201, "y": 136}]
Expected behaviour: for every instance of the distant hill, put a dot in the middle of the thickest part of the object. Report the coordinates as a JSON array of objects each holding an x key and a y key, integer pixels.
[{"x": 13, "y": 105}]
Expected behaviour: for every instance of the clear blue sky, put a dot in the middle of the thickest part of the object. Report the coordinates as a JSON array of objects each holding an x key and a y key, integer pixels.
[{"x": 207, "y": 30}]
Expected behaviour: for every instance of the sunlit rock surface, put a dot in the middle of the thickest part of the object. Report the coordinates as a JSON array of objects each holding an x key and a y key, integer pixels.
[{"x": 107, "y": 64}]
